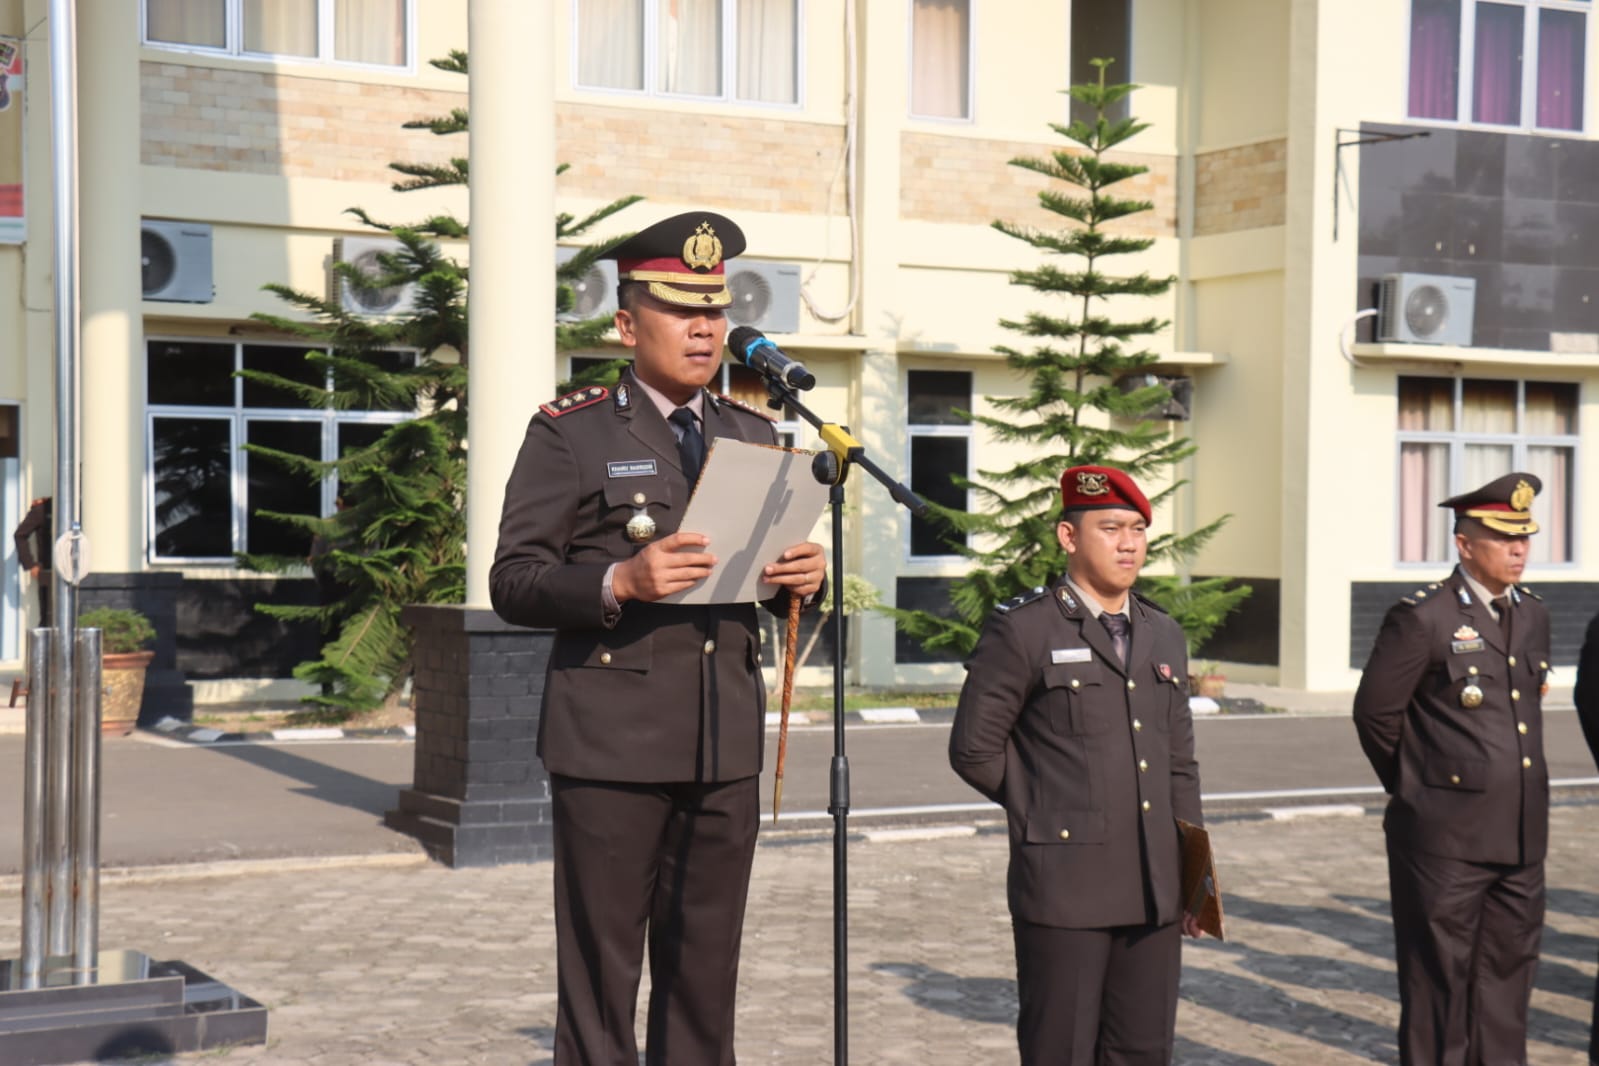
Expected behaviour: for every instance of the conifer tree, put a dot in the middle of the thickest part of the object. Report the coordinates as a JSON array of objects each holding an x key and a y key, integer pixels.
[
  {"x": 400, "y": 536},
  {"x": 1076, "y": 409}
]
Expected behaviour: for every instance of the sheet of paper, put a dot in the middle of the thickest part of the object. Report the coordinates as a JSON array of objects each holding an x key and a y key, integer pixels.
[{"x": 753, "y": 501}]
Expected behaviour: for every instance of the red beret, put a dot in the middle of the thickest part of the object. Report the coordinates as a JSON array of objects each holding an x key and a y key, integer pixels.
[{"x": 1097, "y": 488}]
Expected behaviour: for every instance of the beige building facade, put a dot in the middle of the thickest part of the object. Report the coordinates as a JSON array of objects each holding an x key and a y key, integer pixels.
[{"x": 863, "y": 147}]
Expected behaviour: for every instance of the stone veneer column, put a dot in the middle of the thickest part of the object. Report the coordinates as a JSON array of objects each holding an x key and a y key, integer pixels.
[{"x": 481, "y": 796}]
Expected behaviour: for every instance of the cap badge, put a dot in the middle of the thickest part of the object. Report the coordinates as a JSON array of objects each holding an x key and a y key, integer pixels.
[
  {"x": 703, "y": 249},
  {"x": 1521, "y": 498},
  {"x": 1092, "y": 484},
  {"x": 1466, "y": 633}
]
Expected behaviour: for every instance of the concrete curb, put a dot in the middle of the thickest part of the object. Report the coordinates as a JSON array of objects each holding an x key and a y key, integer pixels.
[
  {"x": 188, "y": 732},
  {"x": 241, "y": 868}
]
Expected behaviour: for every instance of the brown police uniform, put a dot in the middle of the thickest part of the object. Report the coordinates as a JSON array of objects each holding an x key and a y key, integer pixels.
[
  {"x": 33, "y": 540},
  {"x": 1093, "y": 761},
  {"x": 1449, "y": 713},
  {"x": 1586, "y": 696},
  {"x": 652, "y": 720}
]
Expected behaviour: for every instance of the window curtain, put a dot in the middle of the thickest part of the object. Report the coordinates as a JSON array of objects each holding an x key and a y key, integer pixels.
[
  {"x": 1551, "y": 508},
  {"x": 939, "y": 58},
  {"x": 1560, "y": 69},
  {"x": 1488, "y": 407},
  {"x": 186, "y": 22},
  {"x": 1435, "y": 59},
  {"x": 280, "y": 27},
  {"x": 1497, "y": 92},
  {"x": 690, "y": 47},
  {"x": 610, "y": 44},
  {"x": 768, "y": 47},
  {"x": 369, "y": 31},
  {"x": 1423, "y": 481}
]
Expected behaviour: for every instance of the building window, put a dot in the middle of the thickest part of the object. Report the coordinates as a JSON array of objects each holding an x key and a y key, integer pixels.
[
  {"x": 941, "y": 58},
  {"x": 373, "y": 33},
  {"x": 1456, "y": 434},
  {"x": 940, "y": 446},
  {"x": 1521, "y": 63},
  {"x": 745, "y": 50},
  {"x": 206, "y": 490},
  {"x": 1101, "y": 30}
]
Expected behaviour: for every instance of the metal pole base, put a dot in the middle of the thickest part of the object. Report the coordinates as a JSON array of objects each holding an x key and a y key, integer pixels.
[{"x": 137, "y": 1007}]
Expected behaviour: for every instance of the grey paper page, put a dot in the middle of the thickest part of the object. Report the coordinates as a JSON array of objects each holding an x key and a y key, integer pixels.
[{"x": 753, "y": 501}]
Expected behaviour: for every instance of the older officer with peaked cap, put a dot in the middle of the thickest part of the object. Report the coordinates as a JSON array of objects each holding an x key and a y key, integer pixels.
[
  {"x": 653, "y": 713},
  {"x": 1449, "y": 713},
  {"x": 1075, "y": 719}
]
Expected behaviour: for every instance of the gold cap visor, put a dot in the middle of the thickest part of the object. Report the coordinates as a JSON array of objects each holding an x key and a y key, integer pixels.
[
  {"x": 1513, "y": 523},
  {"x": 691, "y": 296}
]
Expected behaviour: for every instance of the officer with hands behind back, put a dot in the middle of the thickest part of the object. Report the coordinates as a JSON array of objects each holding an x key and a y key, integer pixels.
[
  {"x": 1075, "y": 719},
  {"x": 1449, "y": 713},
  {"x": 653, "y": 717}
]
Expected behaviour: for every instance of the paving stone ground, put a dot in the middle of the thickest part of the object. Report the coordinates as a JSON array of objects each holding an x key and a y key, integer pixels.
[{"x": 414, "y": 964}]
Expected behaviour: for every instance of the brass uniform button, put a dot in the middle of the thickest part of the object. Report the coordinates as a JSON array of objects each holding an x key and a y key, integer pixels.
[
  {"x": 1131, "y": 683},
  {"x": 1137, "y": 725},
  {"x": 639, "y": 497},
  {"x": 605, "y": 658},
  {"x": 1511, "y": 660},
  {"x": 1543, "y": 665},
  {"x": 1472, "y": 670},
  {"x": 1065, "y": 834},
  {"x": 1076, "y": 683},
  {"x": 1143, "y": 766},
  {"x": 1521, "y": 727},
  {"x": 710, "y": 646},
  {"x": 1454, "y": 779},
  {"x": 1515, "y": 694},
  {"x": 1146, "y": 806},
  {"x": 1526, "y": 762}
]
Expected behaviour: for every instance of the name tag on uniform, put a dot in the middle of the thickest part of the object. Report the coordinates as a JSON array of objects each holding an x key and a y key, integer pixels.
[
  {"x": 631, "y": 468},
  {"x": 1460, "y": 647},
  {"x": 1071, "y": 655}
]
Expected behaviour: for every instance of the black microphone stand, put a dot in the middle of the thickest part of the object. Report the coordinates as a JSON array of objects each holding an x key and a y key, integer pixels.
[{"x": 831, "y": 468}]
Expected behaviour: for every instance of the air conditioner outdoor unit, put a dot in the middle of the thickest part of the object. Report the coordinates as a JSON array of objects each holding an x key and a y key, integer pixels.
[
  {"x": 1179, "y": 403},
  {"x": 362, "y": 253},
  {"x": 594, "y": 293},
  {"x": 175, "y": 261},
  {"x": 1426, "y": 309},
  {"x": 766, "y": 295}
]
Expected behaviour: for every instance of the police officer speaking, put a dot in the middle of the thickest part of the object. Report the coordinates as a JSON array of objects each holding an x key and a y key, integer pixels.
[
  {"x": 652, "y": 722},
  {"x": 1074, "y": 717},
  {"x": 1449, "y": 713}
]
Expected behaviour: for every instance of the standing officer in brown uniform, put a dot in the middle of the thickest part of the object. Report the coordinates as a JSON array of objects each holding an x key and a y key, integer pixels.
[
  {"x": 33, "y": 540},
  {"x": 1449, "y": 714},
  {"x": 1074, "y": 718},
  {"x": 653, "y": 714}
]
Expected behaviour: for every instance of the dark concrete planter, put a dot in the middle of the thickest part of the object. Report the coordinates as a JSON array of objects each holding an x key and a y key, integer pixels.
[{"x": 479, "y": 795}]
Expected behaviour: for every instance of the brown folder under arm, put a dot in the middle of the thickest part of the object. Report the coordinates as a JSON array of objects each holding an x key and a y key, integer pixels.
[{"x": 1201, "y": 894}]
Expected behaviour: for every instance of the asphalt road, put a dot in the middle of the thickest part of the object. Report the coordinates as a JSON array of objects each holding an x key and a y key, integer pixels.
[{"x": 166, "y": 802}]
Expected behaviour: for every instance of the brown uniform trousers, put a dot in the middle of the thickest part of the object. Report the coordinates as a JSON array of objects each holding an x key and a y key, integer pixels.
[
  {"x": 651, "y": 729},
  {"x": 1468, "y": 819},
  {"x": 1586, "y": 696},
  {"x": 1093, "y": 762}
]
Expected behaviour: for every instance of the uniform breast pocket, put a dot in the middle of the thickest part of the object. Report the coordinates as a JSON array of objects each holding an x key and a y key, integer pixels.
[
  {"x": 1467, "y": 676},
  {"x": 643, "y": 500},
  {"x": 1077, "y": 698}
]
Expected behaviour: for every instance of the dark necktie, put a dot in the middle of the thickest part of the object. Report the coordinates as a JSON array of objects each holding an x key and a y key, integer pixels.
[
  {"x": 1118, "y": 626},
  {"x": 690, "y": 442},
  {"x": 1502, "y": 605}
]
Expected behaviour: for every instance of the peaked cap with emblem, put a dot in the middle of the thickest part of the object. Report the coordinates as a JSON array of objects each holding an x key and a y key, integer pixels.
[
  {"x": 1504, "y": 505},
  {"x": 1099, "y": 488},
  {"x": 681, "y": 258}
]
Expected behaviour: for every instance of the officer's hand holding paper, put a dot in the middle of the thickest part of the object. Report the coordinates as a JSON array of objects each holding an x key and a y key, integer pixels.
[{"x": 754, "y": 502}]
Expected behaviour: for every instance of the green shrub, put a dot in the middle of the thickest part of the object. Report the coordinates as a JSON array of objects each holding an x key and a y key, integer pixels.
[{"x": 122, "y": 630}]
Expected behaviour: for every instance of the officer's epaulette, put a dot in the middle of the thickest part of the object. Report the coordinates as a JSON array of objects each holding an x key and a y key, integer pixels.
[
  {"x": 1019, "y": 601},
  {"x": 1147, "y": 602},
  {"x": 1417, "y": 596},
  {"x": 572, "y": 401},
  {"x": 1525, "y": 591},
  {"x": 742, "y": 406}
]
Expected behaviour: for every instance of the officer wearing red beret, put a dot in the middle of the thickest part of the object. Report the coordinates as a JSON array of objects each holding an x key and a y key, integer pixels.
[
  {"x": 652, "y": 721},
  {"x": 1449, "y": 711},
  {"x": 1074, "y": 717}
]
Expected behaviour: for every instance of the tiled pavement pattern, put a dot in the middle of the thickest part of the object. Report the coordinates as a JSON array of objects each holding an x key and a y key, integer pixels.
[{"x": 375, "y": 965}]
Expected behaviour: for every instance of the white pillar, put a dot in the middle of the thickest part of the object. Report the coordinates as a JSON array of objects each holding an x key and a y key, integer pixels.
[
  {"x": 511, "y": 360},
  {"x": 111, "y": 294}
]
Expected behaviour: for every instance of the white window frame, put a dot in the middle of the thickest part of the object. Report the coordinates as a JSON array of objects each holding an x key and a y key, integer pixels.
[
  {"x": 233, "y": 38},
  {"x": 914, "y": 431},
  {"x": 970, "y": 117},
  {"x": 1458, "y": 440},
  {"x": 238, "y": 417},
  {"x": 1466, "y": 84},
  {"x": 729, "y": 60}
]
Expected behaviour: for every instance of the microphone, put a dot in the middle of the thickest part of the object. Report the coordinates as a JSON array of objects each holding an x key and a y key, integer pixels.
[{"x": 751, "y": 347}]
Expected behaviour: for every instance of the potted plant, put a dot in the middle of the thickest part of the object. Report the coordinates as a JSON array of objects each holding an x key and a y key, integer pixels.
[
  {"x": 123, "y": 662},
  {"x": 1206, "y": 679}
]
